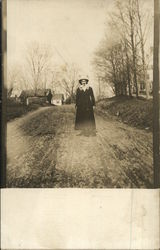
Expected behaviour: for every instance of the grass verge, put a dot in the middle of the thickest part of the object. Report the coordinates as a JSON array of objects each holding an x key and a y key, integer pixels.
[
  {"x": 16, "y": 109},
  {"x": 132, "y": 111}
]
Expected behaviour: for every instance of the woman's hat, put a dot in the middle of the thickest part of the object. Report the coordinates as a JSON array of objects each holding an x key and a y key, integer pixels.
[{"x": 84, "y": 77}]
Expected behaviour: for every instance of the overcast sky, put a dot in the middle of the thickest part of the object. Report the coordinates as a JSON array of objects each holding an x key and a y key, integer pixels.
[{"x": 73, "y": 28}]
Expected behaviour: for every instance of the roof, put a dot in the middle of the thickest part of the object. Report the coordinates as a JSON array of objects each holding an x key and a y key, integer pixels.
[
  {"x": 32, "y": 93},
  {"x": 27, "y": 93}
]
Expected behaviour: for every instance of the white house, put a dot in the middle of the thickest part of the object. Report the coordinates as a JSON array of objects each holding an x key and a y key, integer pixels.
[{"x": 57, "y": 99}]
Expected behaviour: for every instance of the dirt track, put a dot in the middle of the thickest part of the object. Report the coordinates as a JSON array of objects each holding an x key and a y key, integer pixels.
[{"x": 44, "y": 150}]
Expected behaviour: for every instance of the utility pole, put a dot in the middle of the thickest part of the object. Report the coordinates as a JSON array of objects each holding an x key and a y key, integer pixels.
[{"x": 156, "y": 103}]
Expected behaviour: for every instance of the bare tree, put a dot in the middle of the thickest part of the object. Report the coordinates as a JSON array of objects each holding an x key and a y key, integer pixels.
[
  {"x": 55, "y": 79},
  {"x": 12, "y": 79},
  {"x": 125, "y": 20},
  {"x": 142, "y": 33},
  {"x": 122, "y": 25},
  {"x": 135, "y": 25},
  {"x": 38, "y": 59},
  {"x": 124, "y": 60},
  {"x": 69, "y": 76},
  {"x": 23, "y": 81},
  {"x": 110, "y": 64}
]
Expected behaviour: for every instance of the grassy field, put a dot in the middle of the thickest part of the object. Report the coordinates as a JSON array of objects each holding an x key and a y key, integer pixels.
[
  {"x": 16, "y": 109},
  {"x": 134, "y": 112}
]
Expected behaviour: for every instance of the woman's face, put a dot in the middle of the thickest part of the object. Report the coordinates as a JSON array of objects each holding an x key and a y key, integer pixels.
[{"x": 83, "y": 82}]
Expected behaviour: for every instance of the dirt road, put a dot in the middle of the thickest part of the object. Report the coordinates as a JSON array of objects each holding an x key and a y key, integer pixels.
[{"x": 44, "y": 150}]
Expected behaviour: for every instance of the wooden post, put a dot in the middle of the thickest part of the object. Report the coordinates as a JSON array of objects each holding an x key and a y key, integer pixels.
[{"x": 156, "y": 133}]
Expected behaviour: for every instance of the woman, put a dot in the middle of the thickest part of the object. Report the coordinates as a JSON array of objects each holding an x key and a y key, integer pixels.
[{"x": 85, "y": 101}]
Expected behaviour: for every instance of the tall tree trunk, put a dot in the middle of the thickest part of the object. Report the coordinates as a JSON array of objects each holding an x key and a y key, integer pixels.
[
  {"x": 124, "y": 76},
  {"x": 114, "y": 75},
  {"x": 142, "y": 50},
  {"x": 126, "y": 52},
  {"x": 133, "y": 50},
  {"x": 128, "y": 75},
  {"x": 135, "y": 73}
]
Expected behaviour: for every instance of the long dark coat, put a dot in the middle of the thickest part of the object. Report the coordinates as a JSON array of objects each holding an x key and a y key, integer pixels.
[{"x": 84, "y": 109}]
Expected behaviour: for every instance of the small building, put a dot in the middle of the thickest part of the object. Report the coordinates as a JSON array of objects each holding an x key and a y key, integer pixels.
[
  {"x": 57, "y": 99},
  {"x": 38, "y": 96}
]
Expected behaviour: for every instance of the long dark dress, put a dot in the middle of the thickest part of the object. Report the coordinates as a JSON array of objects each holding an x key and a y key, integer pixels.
[{"x": 84, "y": 113}]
